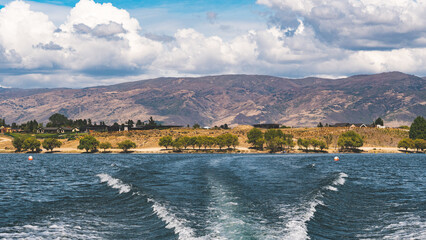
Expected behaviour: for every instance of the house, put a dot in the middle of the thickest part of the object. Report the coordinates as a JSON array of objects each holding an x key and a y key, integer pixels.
[
  {"x": 380, "y": 126},
  {"x": 358, "y": 125},
  {"x": 267, "y": 125},
  {"x": 4, "y": 130},
  {"x": 57, "y": 130},
  {"x": 351, "y": 125},
  {"x": 341, "y": 125},
  {"x": 96, "y": 128}
]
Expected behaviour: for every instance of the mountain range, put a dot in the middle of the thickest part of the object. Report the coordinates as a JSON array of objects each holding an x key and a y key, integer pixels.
[{"x": 233, "y": 99}]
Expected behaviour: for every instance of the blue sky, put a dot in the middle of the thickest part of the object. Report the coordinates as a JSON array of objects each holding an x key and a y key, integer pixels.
[{"x": 86, "y": 43}]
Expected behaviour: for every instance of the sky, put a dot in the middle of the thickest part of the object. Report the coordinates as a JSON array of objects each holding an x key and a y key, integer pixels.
[{"x": 88, "y": 43}]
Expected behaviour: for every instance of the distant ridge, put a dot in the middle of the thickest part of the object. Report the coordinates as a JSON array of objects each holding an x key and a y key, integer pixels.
[{"x": 232, "y": 99}]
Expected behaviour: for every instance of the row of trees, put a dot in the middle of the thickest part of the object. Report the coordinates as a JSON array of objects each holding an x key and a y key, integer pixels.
[
  {"x": 418, "y": 144},
  {"x": 306, "y": 143},
  {"x": 274, "y": 139},
  {"x": 417, "y": 136},
  {"x": 90, "y": 143},
  {"x": 221, "y": 141},
  {"x": 32, "y": 144}
]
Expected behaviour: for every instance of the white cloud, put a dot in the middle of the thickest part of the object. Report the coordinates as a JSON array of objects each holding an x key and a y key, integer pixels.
[
  {"x": 363, "y": 24},
  {"x": 101, "y": 44}
]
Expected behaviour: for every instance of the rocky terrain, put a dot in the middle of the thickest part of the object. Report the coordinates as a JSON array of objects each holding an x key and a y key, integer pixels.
[{"x": 234, "y": 99}]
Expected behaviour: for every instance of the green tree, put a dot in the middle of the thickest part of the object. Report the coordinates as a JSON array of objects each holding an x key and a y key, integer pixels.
[
  {"x": 178, "y": 143},
  {"x": 196, "y": 126},
  {"x": 235, "y": 141},
  {"x": 406, "y": 143},
  {"x": 314, "y": 143},
  {"x": 418, "y": 128},
  {"x": 322, "y": 145},
  {"x": 255, "y": 138},
  {"x": 379, "y": 121},
  {"x": 89, "y": 143},
  {"x": 58, "y": 120},
  {"x": 209, "y": 141},
  {"x": 152, "y": 122},
  {"x": 193, "y": 142},
  {"x": 274, "y": 139},
  {"x": 303, "y": 143},
  {"x": 18, "y": 143},
  {"x": 105, "y": 145},
  {"x": 166, "y": 141},
  {"x": 320, "y": 125},
  {"x": 126, "y": 145},
  {"x": 186, "y": 142},
  {"x": 200, "y": 141},
  {"x": 32, "y": 144},
  {"x": 220, "y": 141},
  {"x": 350, "y": 139},
  {"x": 420, "y": 144},
  {"x": 328, "y": 139},
  {"x": 51, "y": 143}
]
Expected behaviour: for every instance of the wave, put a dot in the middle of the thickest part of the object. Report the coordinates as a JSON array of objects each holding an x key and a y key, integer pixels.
[
  {"x": 172, "y": 221},
  {"x": 296, "y": 227},
  {"x": 47, "y": 230},
  {"x": 114, "y": 183}
]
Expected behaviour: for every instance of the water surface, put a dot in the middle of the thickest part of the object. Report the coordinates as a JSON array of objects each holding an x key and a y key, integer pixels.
[{"x": 83, "y": 196}]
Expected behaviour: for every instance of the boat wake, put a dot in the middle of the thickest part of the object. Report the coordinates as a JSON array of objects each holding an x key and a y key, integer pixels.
[
  {"x": 297, "y": 217},
  {"x": 114, "y": 183}
]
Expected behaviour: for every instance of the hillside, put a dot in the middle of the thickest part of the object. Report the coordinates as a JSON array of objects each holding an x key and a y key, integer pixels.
[{"x": 232, "y": 99}]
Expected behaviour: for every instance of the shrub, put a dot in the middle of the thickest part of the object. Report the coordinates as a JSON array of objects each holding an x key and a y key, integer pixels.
[
  {"x": 406, "y": 143},
  {"x": 126, "y": 145},
  {"x": 105, "y": 145},
  {"x": 88, "y": 142},
  {"x": 31, "y": 144},
  {"x": 350, "y": 139},
  {"x": 51, "y": 143},
  {"x": 166, "y": 141}
]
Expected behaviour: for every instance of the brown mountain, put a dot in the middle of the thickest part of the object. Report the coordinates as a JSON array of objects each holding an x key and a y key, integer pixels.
[{"x": 232, "y": 99}]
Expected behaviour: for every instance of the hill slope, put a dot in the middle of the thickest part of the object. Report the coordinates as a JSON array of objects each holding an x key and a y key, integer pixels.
[{"x": 238, "y": 99}]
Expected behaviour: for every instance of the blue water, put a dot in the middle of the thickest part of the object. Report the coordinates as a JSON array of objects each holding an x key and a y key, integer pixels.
[{"x": 377, "y": 196}]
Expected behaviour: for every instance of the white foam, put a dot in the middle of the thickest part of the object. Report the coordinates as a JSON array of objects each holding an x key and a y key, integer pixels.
[
  {"x": 408, "y": 227},
  {"x": 172, "y": 221},
  {"x": 47, "y": 230},
  {"x": 114, "y": 183},
  {"x": 341, "y": 179},
  {"x": 296, "y": 226},
  {"x": 331, "y": 188}
]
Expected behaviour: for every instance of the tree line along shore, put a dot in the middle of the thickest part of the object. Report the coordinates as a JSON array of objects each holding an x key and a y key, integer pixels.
[{"x": 241, "y": 139}]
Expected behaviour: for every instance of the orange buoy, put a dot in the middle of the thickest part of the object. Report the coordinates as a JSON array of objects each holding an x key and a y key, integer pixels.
[
  {"x": 30, "y": 158},
  {"x": 336, "y": 158}
]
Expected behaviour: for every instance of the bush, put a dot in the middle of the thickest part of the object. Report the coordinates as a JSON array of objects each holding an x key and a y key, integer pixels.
[
  {"x": 406, "y": 143},
  {"x": 350, "y": 139},
  {"x": 51, "y": 143},
  {"x": 126, "y": 145},
  {"x": 420, "y": 144},
  {"x": 31, "y": 144},
  {"x": 105, "y": 145},
  {"x": 88, "y": 142},
  {"x": 255, "y": 138},
  {"x": 166, "y": 141},
  {"x": 18, "y": 143}
]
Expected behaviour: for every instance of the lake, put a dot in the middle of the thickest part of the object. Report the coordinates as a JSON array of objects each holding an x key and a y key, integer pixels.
[{"x": 213, "y": 196}]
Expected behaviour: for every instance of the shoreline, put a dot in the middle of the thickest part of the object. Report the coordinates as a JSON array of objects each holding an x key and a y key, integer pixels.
[{"x": 364, "y": 150}]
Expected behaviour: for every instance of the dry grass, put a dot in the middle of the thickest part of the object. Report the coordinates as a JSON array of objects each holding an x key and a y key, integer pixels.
[{"x": 148, "y": 139}]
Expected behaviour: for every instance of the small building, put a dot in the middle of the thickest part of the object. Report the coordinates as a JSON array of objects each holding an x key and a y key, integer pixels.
[
  {"x": 56, "y": 130},
  {"x": 267, "y": 125}
]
